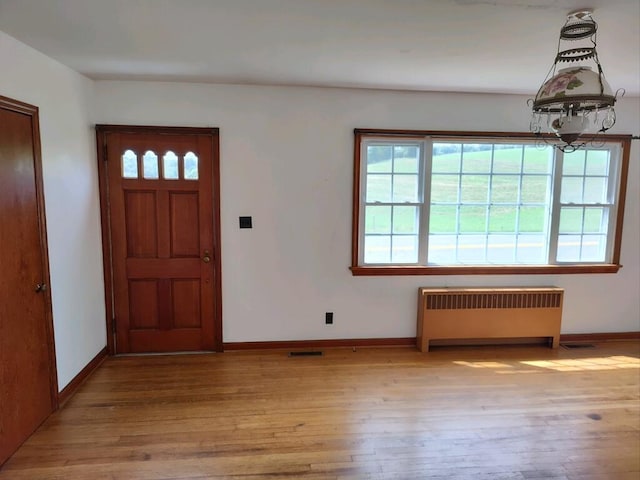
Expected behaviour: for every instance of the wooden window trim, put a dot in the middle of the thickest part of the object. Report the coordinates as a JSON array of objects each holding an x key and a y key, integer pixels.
[{"x": 397, "y": 270}]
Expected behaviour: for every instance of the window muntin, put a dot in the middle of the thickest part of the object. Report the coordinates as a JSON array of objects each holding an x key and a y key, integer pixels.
[{"x": 478, "y": 202}]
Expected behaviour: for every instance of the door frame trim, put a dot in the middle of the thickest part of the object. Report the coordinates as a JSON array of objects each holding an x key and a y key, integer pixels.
[
  {"x": 33, "y": 113},
  {"x": 102, "y": 131}
]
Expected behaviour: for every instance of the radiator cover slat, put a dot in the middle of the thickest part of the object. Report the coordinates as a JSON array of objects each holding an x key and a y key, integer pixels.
[{"x": 457, "y": 301}]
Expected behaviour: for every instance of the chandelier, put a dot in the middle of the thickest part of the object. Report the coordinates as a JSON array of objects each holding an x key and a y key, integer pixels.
[{"x": 575, "y": 102}]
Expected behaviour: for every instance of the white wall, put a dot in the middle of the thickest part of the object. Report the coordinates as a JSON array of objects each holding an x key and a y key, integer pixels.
[
  {"x": 71, "y": 198},
  {"x": 287, "y": 160}
]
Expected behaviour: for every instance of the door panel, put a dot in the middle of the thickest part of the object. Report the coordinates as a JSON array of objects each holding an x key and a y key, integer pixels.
[
  {"x": 163, "y": 233},
  {"x": 28, "y": 386}
]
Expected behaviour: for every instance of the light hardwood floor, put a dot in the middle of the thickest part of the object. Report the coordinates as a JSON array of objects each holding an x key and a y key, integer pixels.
[{"x": 484, "y": 413}]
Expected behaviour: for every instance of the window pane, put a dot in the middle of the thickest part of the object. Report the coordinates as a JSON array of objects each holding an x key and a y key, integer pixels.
[
  {"x": 594, "y": 220},
  {"x": 593, "y": 248},
  {"x": 471, "y": 249},
  {"x": 150, "y": 165},
  {"x": 446, "y": 157},
  {"x": 442, "y": 249},
  {"x": 504, "y": 188},
  {"x": 568, "y": 248},
  {"x": 442, "y": 219},
  {"x": 532, "y": 219},
  {"x": 535, "y": 189},
  {"x": 595, "y": 189},
  {"x": 573, "y": 163},
  {"x": 405, "y": 219},
  {"x": 476, "y": 158},
  {"x": 170, "y": 166},
  {"x": 507, "y": 158},
  {"x": 502, "y": 219},
  {"x": 597, "y": 162},
  {"x": 571, "y": 190},
  {"x": 190, "y": 166},
  {"x": 444, "y": 188},
  {"x": 377, "y": 248},
  {"x": 378, "y": 188},
  {"x": 377, "y": 219},
  {"x": 405, "y": 188},
  {"x": 474, "y": 188},
  {"x": 378, "y": 158},
  {"x": 537, "y": 160},
  {"x": 473, "y": 219},
  {"x": 405, "y": 158},
  {"x": 405, "y": 249},
  {"x": 531, "y": 249},
  {"x": 570, "y": 220},
  {"x": 501, "y": 249},
  {"x": 129, "y": 164}
]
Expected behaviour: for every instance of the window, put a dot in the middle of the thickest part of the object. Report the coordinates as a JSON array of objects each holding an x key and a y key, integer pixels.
[
  {"x": 437, "y": 203},
  {"x": 173, "y": 167}
]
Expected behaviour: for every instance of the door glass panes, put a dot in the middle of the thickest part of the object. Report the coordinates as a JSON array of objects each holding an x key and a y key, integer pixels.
[
  {"x": 170, "y": 166},
  {"x": 129, "y": 164},
  {"x": 190, "y": 166},
  {"x": 150, "y": 165}
]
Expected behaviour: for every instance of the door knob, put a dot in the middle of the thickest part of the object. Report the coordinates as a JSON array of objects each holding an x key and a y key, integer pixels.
[
  {"x": 206, "y": 258},
  {"x": 41, "y": 287}
]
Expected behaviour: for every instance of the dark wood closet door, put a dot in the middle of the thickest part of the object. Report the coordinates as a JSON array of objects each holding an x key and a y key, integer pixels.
[{"x": 28, "y": 386}]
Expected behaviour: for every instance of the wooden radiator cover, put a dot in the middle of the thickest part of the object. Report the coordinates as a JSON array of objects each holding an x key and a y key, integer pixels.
[{"x": 488, "y": 313}]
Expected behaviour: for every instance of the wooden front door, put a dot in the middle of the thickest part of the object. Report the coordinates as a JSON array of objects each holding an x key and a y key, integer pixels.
[
  {"x": 160, "y": 206},
  {"x": 28, "y": 384}
]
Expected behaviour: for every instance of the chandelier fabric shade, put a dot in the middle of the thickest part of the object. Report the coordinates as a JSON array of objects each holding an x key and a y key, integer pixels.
[{"x": 575, "y": 102}]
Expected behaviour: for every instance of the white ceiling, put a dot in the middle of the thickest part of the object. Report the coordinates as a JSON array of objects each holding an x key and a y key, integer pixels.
[{"x": 441, "y": 45}]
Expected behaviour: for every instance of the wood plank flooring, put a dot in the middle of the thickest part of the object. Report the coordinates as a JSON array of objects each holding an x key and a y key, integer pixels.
[{"x": 482, "y": 413}]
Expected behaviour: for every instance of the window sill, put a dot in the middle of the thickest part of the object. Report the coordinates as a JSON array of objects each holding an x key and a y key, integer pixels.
[{"x": 358, "y": 271}]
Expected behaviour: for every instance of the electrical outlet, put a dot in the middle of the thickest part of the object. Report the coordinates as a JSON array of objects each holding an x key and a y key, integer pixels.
[{"x": 328, "y": 318}]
